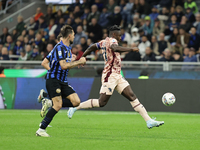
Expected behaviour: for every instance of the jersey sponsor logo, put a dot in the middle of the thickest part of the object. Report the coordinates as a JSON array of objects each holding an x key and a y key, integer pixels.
[{"x": 59, "y": 53}]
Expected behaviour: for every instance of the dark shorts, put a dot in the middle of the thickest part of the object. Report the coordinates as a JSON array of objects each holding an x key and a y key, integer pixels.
[{"x": 58, "y": 88}]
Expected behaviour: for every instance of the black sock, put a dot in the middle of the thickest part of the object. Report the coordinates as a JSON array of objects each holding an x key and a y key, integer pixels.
[
  {"x": 45, "y": 94},
  {"x": 48, "y": 118},
  {"x": 66, "y": 103}
]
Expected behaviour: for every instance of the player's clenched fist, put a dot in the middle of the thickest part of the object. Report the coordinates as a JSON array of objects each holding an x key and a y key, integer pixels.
[{"x": 82, "y": 60}]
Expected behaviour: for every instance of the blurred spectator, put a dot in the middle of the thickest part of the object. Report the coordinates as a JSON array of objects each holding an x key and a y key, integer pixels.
[
  {"x": 94, "y": 13},
  {"x": 28, "y": 50},
  {"x": 173, "y": 36},
  {"x": 122, "y": 4},
  {"x": 58, "y": 15},
  {"x": 95, "y": 31},
  {"x": 79, "y": 51},
  {"x": 115, "y": 18},
  {"x": 85, "y": 25},
  {"x": 77, "y": 12},
  {"x": 48, "y": 49},
  {"x": 185, "y": 24},
  {"x": 40, "y": 44},
  {"x": 179, "y": 13},
  {"x": 164, "y": 15},
  {"x": 99, "y": 5},
  {"x": 136, "y": 22},
  {"x": 135, "y": 36},
  {"x": 85, "y": 4},
  {"x": 125, "y": 36},
  {"x": 24, "y": 33},
  {"x": 167, "y": 56},
  {"x": 80, "y": 33},
  {"x": 143, "y": 45},
  {"x": 189, "y": 15},
  {"x": 4, "y": 35},
  {"x": 154, "y": 13},
  {"x": 26, "y": 41},
  {"x": 173, "y": 24},
  {"x": 40, "y": 24},
  {"x": 178, "y": 2},
  {"x": 83, "y": 43},
  {"x": 132, "y": 56},
  {"x": 86, "y": 13},
  {"x": 196, "y": 24},
  {"x": 154, "y": 45},
  {"x": 158, "y": 28},
  {"x": 2, "y": 75},
  {"x": 111, "y": 5},
  {"x": 191, "y": 4},
  {"x": 194, "y": 39},
  {"x": 148, "y": 26},
  {"x": 31, "y": 24},
  {"x": 23, "y": 56},
  {"x": 49, "y": 15},
  {"x": 52, "y": 39},
  {"x": 31, "y": 34},
  {"x": 14, "y": 35},
  {"x": 17, "y": 48},
  {"x": 51, "y": 24},
  {"x": 89, "y": 42},
  {"x": 162, "y": 43},
  {"x": 76, "y": 23},
  {"x": 103, "y": 20},
  {"x": 182, "y": 41},
  {"x": 149, "y": 55},
  {"x": 144, "y": 8},
  {"x": 21, "y": 25},
  {"x": 35, "y": 55},
  {"x": 4, "y": 54},
  {"x": 126, "y": 12},
  {"x": 38, "y": 14},
  {"x": 9, "y": 44},
  {"x": 59, "y": 26},
  {"x": 190, "y": 58},
  {"x": 177, "y": 57},
  {"x": 186, "y": 52},
  {"x": 73, "y": 5}
]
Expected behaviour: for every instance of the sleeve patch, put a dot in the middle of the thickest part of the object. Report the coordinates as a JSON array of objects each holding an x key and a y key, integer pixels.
[{"x": 59, "y": 53}]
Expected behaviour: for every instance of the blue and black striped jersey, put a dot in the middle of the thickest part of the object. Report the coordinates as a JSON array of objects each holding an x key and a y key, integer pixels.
[{"x": 59, "y": 52}]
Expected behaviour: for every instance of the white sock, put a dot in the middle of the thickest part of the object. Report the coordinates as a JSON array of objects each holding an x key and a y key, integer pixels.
[
  {"x": 140, "y": 108},
  {"x": 91, "y": 103}
]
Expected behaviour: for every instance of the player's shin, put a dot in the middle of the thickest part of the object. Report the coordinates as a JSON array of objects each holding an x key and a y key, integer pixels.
[
  {"x": 91, "y": 103},
  {"x": 140, "y": 109}
]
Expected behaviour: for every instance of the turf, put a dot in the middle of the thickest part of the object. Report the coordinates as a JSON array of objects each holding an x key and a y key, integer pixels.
[{"x": 98, "y": 130}]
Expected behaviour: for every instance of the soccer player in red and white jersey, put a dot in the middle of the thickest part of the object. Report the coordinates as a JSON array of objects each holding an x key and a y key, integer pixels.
[{"x": 112, "y": 79}]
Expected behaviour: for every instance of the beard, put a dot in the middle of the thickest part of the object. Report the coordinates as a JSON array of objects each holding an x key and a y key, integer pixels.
[{"x": 71, "y": 42}]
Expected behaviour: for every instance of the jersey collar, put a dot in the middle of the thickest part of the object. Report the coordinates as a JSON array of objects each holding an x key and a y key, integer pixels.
[{"x": 67, "y": 47}]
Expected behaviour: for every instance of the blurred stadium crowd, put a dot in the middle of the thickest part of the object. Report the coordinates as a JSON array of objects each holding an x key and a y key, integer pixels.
[{"x": 164, "y": 30}]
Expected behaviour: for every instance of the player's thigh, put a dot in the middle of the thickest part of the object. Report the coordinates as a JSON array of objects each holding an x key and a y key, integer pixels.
[
  {"x": 108, "y": 86},
  {"x": 74, "y": 98},
  {"x": 53, "y": 87}
]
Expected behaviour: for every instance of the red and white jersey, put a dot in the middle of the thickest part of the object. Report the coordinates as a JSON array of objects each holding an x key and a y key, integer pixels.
[{"x": 112, "y": 59}]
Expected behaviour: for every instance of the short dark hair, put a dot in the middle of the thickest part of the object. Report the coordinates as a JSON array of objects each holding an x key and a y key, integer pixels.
[
  {"x": 114, "y": 28},
  {"x": 66, "y": 30}
]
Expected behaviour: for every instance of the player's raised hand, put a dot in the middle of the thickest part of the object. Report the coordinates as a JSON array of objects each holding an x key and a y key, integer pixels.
[{"x": 135, "y": 49}]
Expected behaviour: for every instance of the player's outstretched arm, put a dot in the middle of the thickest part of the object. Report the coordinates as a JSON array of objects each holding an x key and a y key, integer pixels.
[
  {"x": 65, "y": 65},
  {"x": 45, "y": 64},
  {"x": 90, "y": 49},
  {"x": 117, "y": 48}
]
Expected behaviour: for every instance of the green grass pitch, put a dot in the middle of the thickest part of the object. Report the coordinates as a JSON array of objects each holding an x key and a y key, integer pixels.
[{"x": 99, "y": 130}]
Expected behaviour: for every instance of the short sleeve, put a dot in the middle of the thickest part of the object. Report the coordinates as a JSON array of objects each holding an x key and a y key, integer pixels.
[
  {"x": 49, "y": 55},
  {"x": 99, "y": 44},
  {"x": 60, "y": 53},
  {"x": 113, "y": 41}
]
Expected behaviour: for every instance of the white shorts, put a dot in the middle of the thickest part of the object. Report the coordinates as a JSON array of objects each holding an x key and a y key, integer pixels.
[{"x": 114, "y": 81}]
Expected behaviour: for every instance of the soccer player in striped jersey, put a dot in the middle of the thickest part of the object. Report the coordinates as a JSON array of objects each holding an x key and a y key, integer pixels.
[
  {"x": 112, "y": 79},
  {"x": 56, "y": 79}
]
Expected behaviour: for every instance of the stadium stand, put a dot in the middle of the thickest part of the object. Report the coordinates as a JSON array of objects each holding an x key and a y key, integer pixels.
[{"x": 169, "y": 26}]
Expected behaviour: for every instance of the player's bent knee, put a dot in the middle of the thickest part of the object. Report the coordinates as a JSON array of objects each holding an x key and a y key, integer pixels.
[
  {"x": 102, "y": 104},
  {"x": 76, "y": 103}
]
